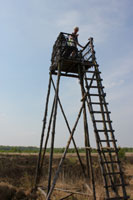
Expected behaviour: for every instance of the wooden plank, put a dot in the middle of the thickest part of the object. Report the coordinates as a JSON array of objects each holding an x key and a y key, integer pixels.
[
  {"x": 108, "y": 141},
  {"x": 66, "y": 197},
  {"x": 115, "y": 185},
  {"x": 96, "y": 72},
  {"x": 72, "y": 192},
  {"x": 98, "y": 130},
  {"x": 101, "y": 87},
  {"x": 42, "y": 192},
  {"x": 110, "y": 162},
  {"x": 66, "y": 75},
  {"x": 98, "y": 103},
  {"x": 103, "y": 121},
  {"x": 97, "y": 95},
  {"x": 94, "y": 79},
  {"x": 99, "y": 112},
  {"x": 112, "y": 173},
  {"x": 118, "y": 198}
]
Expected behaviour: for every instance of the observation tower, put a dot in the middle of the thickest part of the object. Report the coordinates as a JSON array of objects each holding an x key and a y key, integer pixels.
[{"x": 68, "y": 62}]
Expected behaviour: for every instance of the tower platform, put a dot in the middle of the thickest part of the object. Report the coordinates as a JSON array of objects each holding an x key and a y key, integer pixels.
[{"x": 63, "y": 52}]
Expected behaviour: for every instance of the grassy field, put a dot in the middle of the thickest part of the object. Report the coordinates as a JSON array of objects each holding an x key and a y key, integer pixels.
[{"x": 17, "y": 172}]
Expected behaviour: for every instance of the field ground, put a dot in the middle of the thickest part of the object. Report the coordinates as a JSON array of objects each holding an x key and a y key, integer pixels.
[{"x": 17, "y": 173}]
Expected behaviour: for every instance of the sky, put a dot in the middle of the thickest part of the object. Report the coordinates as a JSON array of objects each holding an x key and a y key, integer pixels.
[{"x": 28, "y": 30}]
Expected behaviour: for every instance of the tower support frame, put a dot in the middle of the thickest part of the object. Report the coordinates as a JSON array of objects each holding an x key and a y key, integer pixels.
[{"x": 79, "y": 68}]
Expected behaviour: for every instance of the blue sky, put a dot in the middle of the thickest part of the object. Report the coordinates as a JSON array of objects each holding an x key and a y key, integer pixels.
[{"x": 29, "y": 29}]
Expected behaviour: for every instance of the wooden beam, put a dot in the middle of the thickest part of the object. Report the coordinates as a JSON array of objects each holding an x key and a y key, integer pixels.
[{"x": 42, "y": 192}]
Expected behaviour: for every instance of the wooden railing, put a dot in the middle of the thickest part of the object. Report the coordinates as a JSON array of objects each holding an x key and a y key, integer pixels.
[{"x": 63, "y": 48}]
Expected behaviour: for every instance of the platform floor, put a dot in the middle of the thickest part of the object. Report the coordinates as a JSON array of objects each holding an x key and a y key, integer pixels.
[{"x": 71, "y": 65}]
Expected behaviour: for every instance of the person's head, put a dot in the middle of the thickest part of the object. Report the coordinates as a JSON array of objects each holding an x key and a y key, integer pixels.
[{"x": 76, "y": 29}]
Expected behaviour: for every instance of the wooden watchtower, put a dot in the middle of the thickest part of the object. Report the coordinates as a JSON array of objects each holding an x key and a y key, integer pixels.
[{"x": 68, "y": 61}]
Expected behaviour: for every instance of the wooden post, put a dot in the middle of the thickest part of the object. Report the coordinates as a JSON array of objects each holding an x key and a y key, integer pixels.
[
  {"x": 53, "y": 128},
  {"x": 47, "y": 136},
  {"x": 85, "y": 121},
  {"x": 42, "y": 135},
  {"x": 87, "y": 141}
]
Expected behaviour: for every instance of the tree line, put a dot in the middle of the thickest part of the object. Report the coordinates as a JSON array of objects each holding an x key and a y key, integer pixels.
[{"x": 32, "y": 149}]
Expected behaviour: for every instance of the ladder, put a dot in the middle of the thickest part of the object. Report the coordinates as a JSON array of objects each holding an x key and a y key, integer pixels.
[{"x": 94, "y": 95}]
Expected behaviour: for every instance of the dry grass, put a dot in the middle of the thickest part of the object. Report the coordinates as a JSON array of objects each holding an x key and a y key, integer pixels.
[
  {"x": 17, "y": 177},
  {"x": 9, "y": 192}
]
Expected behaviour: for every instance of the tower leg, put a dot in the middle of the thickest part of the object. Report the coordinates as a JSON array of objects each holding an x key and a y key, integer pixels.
[
  {"x": 53, "y": 128},
  {"x": 85, "y": 123},
  {"x": 42, "y": 135},
  {"x": 47, "y": 137}
]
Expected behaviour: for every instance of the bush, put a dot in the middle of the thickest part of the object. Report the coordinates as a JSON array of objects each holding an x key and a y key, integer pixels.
[{"x": 121, "y": 153}]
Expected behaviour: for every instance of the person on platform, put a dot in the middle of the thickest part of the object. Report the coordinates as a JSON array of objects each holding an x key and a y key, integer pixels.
[
  {"x": 73, "y": 38},
  {"x": 73, "y": 41}
]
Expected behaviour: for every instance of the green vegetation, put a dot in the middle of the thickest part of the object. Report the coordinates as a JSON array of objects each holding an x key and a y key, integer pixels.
[
  {"x": 121, "y": 153},
  {"x": 19, "y": 149},
  {"x": 31, "y": 149}
]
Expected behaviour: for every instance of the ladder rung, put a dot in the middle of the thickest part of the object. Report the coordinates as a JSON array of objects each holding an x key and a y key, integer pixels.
[
  {"x": 108, "y": 141},
  {"x": 110, "y": 162},
  {"x": 103, "y": 121},
  {"x": 97, "y": 95},
  {"x": 67, "y": 75},
  {"x": 84, "y": 63},
  {"x": 99, "y": 112},
  {"x": 95, "y": 87},
  {"x": 117, "y": 198},
  {"x": 113, "y": 173},
  {"x": 104, "y": 130},
  {"x": 89, "y": 148},
  {"x": 116, "y": 185},
  {"x": 108, "y": 150},
  {"x": 98, "y": 103},
  {"x": 94, "y": 79},
  {"x": 96, "y": 72}
]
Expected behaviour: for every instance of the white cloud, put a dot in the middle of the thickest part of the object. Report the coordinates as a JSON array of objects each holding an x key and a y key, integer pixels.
[
  {"x": 3, "y": 116},
  {"x": 68, "y": 19},
  {"x": 114, "y": 84},
  {"x": 97, "y": 20},
  {"x": 117, "y": 75}
]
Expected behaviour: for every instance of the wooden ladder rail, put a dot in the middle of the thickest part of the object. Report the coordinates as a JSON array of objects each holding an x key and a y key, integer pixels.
[
  {"x": 101, "y": 98},
  {"x": 90, "y": 107}
]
